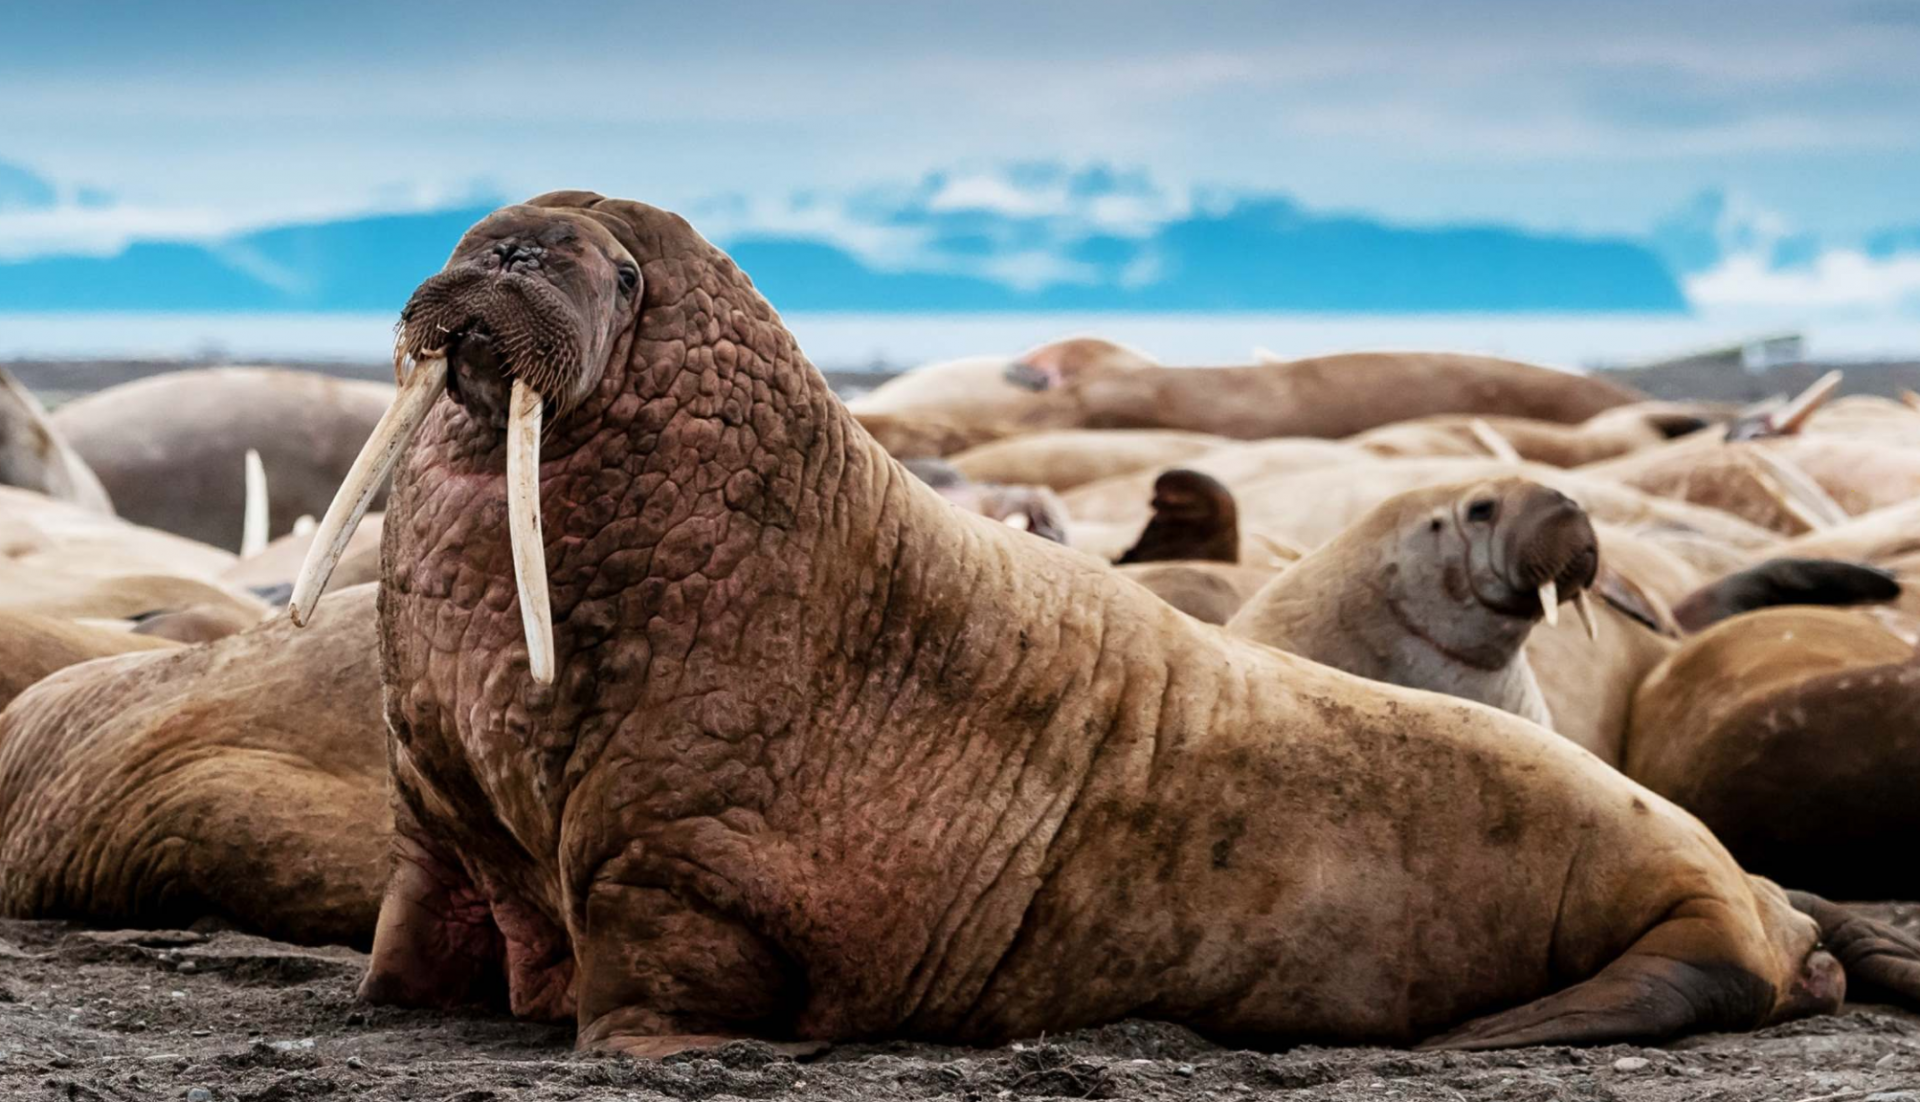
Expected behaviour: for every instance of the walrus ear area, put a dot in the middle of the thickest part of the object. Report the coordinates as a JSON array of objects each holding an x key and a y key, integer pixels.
[{"x": 1882, "y": 963}]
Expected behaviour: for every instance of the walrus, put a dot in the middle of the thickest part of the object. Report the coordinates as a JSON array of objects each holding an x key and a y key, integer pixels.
[
  {"x": 171, "y": 449},
  {"x": 1194, "y": 517},
  {"x": 33, "y": 646},
  {"x": 1331, "y": 397},
  {"x": 1437, "y": 588},
  {"x": 1210, "y": 592},
  {"x": 1034, "y": 509},
  {"x": 35, "y": 456},
  {"x": 1790, "y": 732},
  {"x": 38, "y": 533},
  {"x": 707, "y": 720},
  {"x": 1606, "y": 435},
  {"x": 242, "y": 781},
  {"x": 1068, "y": 458}
]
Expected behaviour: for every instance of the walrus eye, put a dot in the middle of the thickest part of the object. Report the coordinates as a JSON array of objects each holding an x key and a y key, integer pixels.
[
  {"x": 629, "y": 277},
  {"x": 1481, "y": 510}
]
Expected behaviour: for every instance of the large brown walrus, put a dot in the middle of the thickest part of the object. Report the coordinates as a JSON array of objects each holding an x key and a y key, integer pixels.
[
  {"x": 242, "y": 781},
  {"x": 709, "y": 721}
]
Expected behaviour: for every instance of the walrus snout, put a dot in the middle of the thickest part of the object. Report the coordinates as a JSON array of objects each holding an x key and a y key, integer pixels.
[{"x": 1553, "y": 541}]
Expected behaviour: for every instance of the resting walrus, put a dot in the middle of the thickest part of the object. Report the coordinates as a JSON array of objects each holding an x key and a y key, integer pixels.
[
  {"x": 1791, "y": 733},
  {"x": 242, "y": 780},
  {"x": 708, "y": 720},
  {"x": 1438, "y": 589}
]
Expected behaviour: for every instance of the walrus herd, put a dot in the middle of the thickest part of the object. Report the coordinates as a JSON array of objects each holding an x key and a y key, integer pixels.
[{"x": 688, "y": 703}]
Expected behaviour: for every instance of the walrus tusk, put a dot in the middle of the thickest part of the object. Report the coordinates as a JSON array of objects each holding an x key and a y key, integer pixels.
[
  {"x": 1017, "y": 521},
  {"x": 1793, "y": 416},
  {"x": 1497, "y": 445},
  {"x": 1550, "y": 603},
  {"x": 370, "y": 468},
  {"x": 253, "y": 522},
  {"x": 523, "y": 528},
  {"x": 1584, "y": 606}
]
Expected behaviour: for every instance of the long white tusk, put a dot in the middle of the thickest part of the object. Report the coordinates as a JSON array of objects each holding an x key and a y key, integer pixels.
[
  {"x": 523, "y": 528},
  {"x": 253, "y": 522},
  {"x": 370, "y": 468},
  {"x": 1497, "y": 445},
  {"x": 1584, "y": 606},
  {"x": 1794, "y": 416},
  {"x": 1550, "y": 603}
]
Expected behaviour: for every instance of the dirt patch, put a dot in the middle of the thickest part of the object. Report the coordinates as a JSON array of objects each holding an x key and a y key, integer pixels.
[{"x": 176, "y": 1015}]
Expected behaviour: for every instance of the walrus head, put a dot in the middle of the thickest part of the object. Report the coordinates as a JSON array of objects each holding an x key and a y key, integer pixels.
[
  {"x": 1059, "y": 363},
  {"x": 1476, "y": 567},
  {"x": 520, "y": 324},
  {"x": 1194, "y": 517}
]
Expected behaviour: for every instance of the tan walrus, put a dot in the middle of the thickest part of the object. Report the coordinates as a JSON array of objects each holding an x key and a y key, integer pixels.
[
  {"x": 709, "y": 721},
  {"x": 242, "y": 781},
  {"x": 1791, "y": 733},
  {"x": 1439, "y": 589}
]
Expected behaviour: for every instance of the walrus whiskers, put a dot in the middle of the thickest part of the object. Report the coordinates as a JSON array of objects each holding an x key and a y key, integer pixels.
[
  {"x": 370, "y": 468},
  {"x": 523, "y": 527}
]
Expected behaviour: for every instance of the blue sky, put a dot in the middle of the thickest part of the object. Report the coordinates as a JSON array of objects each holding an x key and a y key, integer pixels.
[{"x": 1600, "y": 118}]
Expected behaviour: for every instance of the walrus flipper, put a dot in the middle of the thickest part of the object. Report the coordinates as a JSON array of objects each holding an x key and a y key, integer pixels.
[
  {"x": 1786, "y": 582},
  {"x": 1640, "y": 997},
  {"x": 1882, "y": 963}
]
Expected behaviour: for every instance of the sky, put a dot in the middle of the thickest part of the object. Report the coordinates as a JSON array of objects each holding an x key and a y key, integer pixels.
[{"x": 1598, "y": 118}]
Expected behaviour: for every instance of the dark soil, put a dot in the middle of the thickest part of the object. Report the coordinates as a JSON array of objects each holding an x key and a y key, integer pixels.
[{"x": 142, "y": 1015}]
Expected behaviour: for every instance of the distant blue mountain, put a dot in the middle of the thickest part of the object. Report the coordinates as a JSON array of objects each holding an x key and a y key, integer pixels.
[{"x": 1261, "y": 254}]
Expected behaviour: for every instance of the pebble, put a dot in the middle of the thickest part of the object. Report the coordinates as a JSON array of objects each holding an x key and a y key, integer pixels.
[
  {"x": 356, "y": 1063},
  {"x": 1184, "y": 1070},
  {"x": 199, "y": 1094},
  {"x": 187, "y": 968},
  {"x": 1631, "y": 1063},
  {"x": 1894, "y": 1096}
]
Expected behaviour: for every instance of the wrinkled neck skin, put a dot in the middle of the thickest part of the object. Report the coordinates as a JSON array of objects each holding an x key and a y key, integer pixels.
[
  {"x": 1344, "y": 606},
  {"x": 748, "y": 597}
]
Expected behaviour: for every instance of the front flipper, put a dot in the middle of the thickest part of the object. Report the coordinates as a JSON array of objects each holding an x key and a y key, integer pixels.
[{"x": 1882, "y": 963}]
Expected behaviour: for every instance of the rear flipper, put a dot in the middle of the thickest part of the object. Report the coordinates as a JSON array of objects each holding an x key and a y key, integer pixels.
[
  {"x": 1678, "y": 978},
  {"x": 1882, "y": 963},
  {"x": 1786, "y": 582}
]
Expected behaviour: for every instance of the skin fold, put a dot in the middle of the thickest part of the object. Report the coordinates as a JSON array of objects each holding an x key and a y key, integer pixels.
[{"x": 825, "y": 758}]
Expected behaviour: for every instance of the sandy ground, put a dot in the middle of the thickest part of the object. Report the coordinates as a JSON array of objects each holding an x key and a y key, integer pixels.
[{"x": 90, "y": 1014}]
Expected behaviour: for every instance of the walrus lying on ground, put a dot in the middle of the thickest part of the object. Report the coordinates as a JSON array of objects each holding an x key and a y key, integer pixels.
[
  {"x": 242, "y": 781},
  {"x": 1437, "y": 589},
  {"x": 1332, "y": 397},
  {"x": 1793, "y": 734},
  {"x": 1606, "y": 435},
  {"x": 708, "y": 720},
  {"x": 171, "y": 449},
  {"x": 33, "y": 646}
]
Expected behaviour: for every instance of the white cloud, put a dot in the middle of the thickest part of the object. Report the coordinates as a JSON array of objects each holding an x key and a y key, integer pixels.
[{"x": 1838, "y": 278}]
